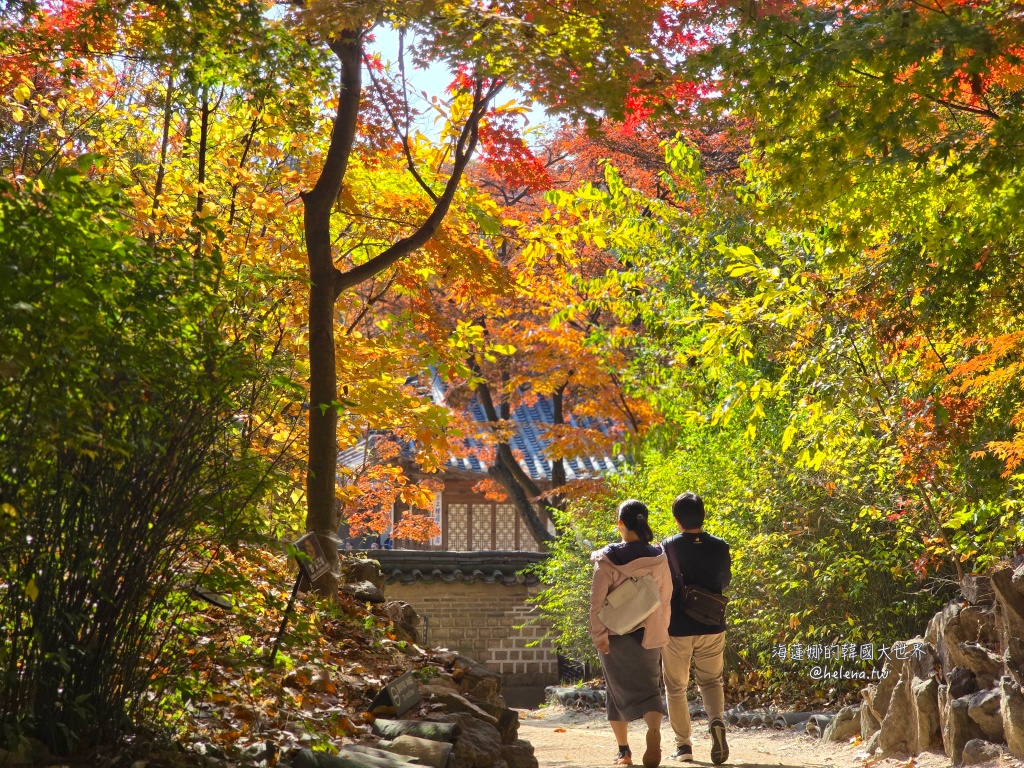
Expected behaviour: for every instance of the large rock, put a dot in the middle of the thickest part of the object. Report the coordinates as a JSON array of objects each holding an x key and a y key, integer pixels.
[
  {"x": 980, "y": 751},
  {"x": 519, "y": 754},
  {"x": 958, "y": 729},
  {"x": 455, "y": 702},
  {"x": 844, "y": 725},
  {"x": 899, "y": 726},
  {"x": 985, "y": 665},
  {"x": 347, "y": 758},
  {"x": 478, "y": 744},
  {"x": 1012, "y": 707},
  {"x": 436, "y": 754},
  {"x": 507, "y": 720},
  {"x": 1013, "y": 659},
  {"x": 924, "y": 661},
  {"x": 871, "y": 745},
  {"x": 364, "y": 592},
  {"x": 477, "y": 680},
  {"x": 356, "y": 570},
  {"x": 979, "y": 625},
  {"x": 892, "y": 672},
  {"x": 869, "y": 724},
  {"x": 977, "y": 590},
  {"x": 984, "y": 710},
  {"x": 944, "y": 699},
  {"x": 961, "y": 682},
  {"x": 438, "y": 729},
  {"x": 943, "y": 629},
  {"x": 1010, "y": 599},
  {"x": 403, "y": 615},
  {"x": 926, "y": 708}
]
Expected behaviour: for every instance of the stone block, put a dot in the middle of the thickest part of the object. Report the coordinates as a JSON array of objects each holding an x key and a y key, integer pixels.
[
  {"x": 844, "y": 725},
  {"x": 926, "y": 709},
  {"x": 977, "y": 590},
  {"x": 1011, "y": 707},
  {"x": 979, "y": 625},
  {"x": 980, "y": 751},
  {"x": 519, "y": 754},
  {"x": 899, "y": 724},
  {"x": 962, "y": 682},
  {"x": 984, "y": 710},
  {"x": 958, "y": 729},
  {"x": 1011, "y": 603},
  {"x": 357, "y": 570},
  {"x": 869, "y": 723},
  {"x": 986, "y": 666}
]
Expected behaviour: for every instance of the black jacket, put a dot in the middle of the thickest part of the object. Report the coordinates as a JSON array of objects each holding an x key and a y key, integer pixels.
[{"x": 704, "y": 561}]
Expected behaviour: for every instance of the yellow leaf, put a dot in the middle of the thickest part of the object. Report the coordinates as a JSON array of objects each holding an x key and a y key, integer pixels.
[
  {"x": 17, "y": 115},
  {"x": 22, "y": 92},
  {"x": 32, "y": 590}
]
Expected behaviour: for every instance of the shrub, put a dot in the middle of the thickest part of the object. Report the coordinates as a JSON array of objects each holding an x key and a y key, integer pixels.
[{"x": 126, "y": 379}]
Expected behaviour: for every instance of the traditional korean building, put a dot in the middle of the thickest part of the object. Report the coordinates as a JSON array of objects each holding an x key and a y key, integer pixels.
[{"x": 471, "y": 584}]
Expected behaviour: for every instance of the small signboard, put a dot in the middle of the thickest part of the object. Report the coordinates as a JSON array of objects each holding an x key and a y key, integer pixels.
[
  {"x": 400, "y": 693},
  {"x": 316, "y": 565}
]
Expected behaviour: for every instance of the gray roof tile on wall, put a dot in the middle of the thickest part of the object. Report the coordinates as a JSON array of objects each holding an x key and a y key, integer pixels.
[{"x": 409, "y": 566}]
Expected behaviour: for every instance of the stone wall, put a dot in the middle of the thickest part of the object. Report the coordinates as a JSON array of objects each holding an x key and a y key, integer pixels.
[{"x": 479, "y": 620}]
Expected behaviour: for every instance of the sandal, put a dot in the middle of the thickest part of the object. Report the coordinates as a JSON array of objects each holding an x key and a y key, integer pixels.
[{"x": 625, "y": 756}]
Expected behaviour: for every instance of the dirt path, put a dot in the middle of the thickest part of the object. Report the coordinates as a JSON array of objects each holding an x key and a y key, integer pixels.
[{"x": 563, "y": 738}]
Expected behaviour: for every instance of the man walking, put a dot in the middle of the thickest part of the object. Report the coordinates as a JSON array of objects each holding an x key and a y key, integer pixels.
[{"x": 696, "y": 559}]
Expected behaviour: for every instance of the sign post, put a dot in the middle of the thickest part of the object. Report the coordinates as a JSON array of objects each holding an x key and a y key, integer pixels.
[
  {"x": 401, "y": 693},
  {"x": 312, "y": 564}
]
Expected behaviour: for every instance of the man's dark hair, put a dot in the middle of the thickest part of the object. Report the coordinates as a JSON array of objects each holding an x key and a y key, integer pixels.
[{"x": 688, "y": 510}]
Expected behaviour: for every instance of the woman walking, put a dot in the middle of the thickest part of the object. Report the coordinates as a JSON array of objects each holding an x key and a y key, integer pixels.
[{"x": 631, "y": 662}]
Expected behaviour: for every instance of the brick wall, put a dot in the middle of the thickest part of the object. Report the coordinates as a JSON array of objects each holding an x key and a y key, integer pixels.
[{"x": 479, "y": 621}]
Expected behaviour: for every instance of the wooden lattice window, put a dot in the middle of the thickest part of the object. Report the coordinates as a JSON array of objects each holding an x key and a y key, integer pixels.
[
  {"x": 482, "y": 526},
  {"x": 505, "y": 527},
  {"x": 458, "y": 527}
]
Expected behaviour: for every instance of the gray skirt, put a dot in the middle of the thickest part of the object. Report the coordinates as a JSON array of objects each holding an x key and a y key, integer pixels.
[{"x": 632, "y": 676}]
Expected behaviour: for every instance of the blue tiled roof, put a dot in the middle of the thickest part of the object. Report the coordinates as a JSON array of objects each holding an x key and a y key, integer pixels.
[{"x": 527, "y": 442}]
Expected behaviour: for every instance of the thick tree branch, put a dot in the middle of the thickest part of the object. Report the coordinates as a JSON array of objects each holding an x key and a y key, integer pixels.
[
  {"x": 349, "y": 50},
  {"x": 507, "y": 471},
  {"x": 464, "y": 148}
]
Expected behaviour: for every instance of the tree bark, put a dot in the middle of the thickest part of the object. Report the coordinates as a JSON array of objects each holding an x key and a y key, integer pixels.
[
  {"x": 513, "y": 478},
  {"x": 322, "y": 515},
  {"x": 558, "y": 465},
  {"x": 327, "y": 283},
  {"x": 158, "y": 189}
]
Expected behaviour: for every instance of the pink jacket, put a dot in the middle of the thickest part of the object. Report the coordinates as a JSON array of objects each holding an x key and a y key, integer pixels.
[{"x": 608, "y": 575}]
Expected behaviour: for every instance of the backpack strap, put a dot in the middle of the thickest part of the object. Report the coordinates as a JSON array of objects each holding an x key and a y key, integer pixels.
[{"x": 673, "y": 562}]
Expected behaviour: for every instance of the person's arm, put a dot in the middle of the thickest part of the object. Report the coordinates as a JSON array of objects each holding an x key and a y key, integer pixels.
[
  {"x": 726, "y": 569},
  {"x": 598, "y": 593},
  {"x": 663, "y": 577}
]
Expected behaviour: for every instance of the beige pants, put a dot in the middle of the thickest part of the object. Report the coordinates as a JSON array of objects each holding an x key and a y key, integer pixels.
[{"x": 707, "y": 653}]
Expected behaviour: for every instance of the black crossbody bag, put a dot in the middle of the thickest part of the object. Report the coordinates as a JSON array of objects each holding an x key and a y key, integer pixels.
[{"x": 698, "y": 603}]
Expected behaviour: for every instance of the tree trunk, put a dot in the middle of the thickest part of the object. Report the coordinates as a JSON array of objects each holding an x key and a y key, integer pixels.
[
  {"x": 322, "y": 517},
  {"x": 158, "y": 189},
  {"x": 558, "y": 465},
  {"x": 513, "y": 478},
  {"x": 327, "y": 283}
]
